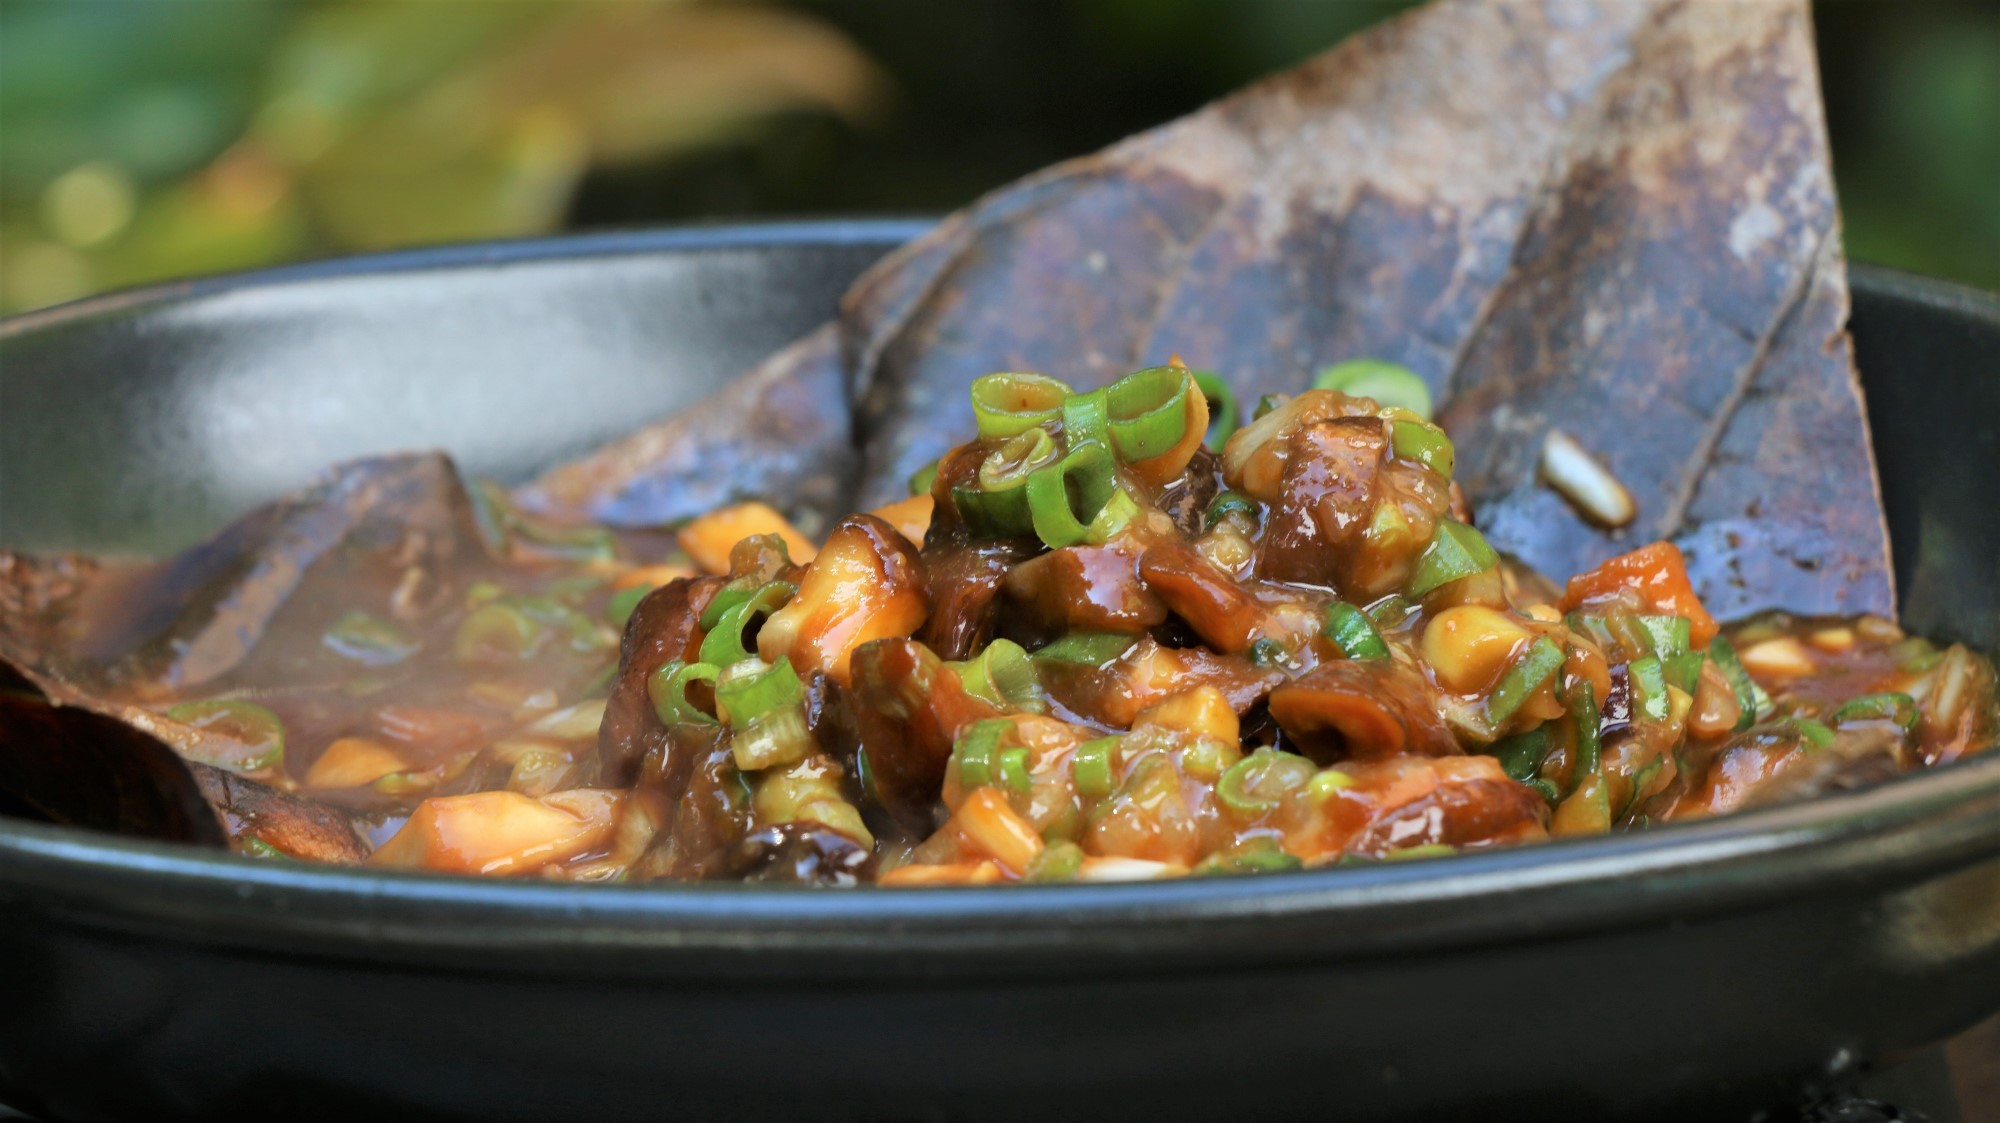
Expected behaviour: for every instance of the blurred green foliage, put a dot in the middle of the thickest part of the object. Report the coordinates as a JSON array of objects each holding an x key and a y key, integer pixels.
[{"x": 140, "y": 141}]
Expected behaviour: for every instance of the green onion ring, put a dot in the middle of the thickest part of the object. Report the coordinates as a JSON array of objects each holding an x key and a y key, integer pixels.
[
  {"x": 1008, "y": 402},
  {"x": 1456, "y": 552},
  {"x": 1223, "y": 415},
  {"x": 667, "y": 688},
  {"x": 1091, "y": 765},
  {"x": 976, "y": 750},
  {"x": 748, "y": 690},
  {"x": 1387, "y": 383},
  {"x": 1148, "y": 410},
  {"x": 724, "y": 644},
  {"x": 1089, "y": 471},
  {"x": 1353, "y": 632},
  {"x": 1086, "y": 419},
  {"x": 1424, "y": 443}
]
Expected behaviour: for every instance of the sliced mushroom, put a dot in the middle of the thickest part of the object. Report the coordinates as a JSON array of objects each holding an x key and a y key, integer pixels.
[
  {"x": 908, "y": 708},
  {"x": 1213, "y": 604},
  {"x": 1086, "y": 588},
  {"x": 1361, "y": 709},
  {"x": 867, "y": 583}
]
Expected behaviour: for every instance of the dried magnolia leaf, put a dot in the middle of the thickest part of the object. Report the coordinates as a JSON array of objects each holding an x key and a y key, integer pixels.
[
  {"x": 82, "y": 769},
  {"x": 1616, "y": 219},
  {"x": 780, "y": 432}
]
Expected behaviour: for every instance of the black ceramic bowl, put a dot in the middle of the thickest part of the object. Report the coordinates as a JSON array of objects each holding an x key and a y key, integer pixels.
[{"x": 1713, "y": 963}]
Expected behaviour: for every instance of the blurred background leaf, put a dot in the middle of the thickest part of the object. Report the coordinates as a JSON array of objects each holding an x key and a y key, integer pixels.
[{"x": 143, "y": 141}]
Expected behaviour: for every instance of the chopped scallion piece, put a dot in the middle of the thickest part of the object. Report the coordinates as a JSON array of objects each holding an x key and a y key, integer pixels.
[
  {"x": 667, "y": 688},
  {"x": 976, "y": 749},
  {"x": 1724, "y": 654},
  {"x": 1456, "y": 551},
  {"x": 731, "y": 640},
  {"x": 1258, "y": 783},
  {"x": 747, "y": 690},
  {"x": 1669, "y": 635},
  {"x": 1091, "y": 765},
  {"x": 1388, "y": 383},
  {"x": 1424, "y": 444},
  {"x": 496, "y": 633},
  {"x": 1059, "y": 861},
  {"x": 1647, "y": 679},
  {"x": 258, "y": 734},
  {"x": 1065, "y": 498},
  {"x": 369, "y": 641},
  {"x": 623, "y": 603},
  {"x": 1086, "y": 420},
  {"x": 1584, "y": 719},
  {"x": 1816, "y": 734},
  {"x": 1521, "y": 755},
  {"x": 1684, "y": 670},
  {"x": 1007, "y": 402},
  {"x": 920, "y": 481},
  {"x": 1353, "y": 632},
  {"x": 1093, "y": 649},
  {"x": 1004, "y": 675},
  {"x": 1899, "y": 708},
  {"x": 1229, "y": 503},
  {"x": 1148, "y": 411},
  {"x": 1268, "y": 652},
  {"x": 1543, "y": 659},
  {"x": 1014, "y": 770}
]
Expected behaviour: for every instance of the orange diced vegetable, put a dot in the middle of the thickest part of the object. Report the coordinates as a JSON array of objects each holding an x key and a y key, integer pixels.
[
  {"x": 1203, "y": 711},
  {"x": 1658, "y": 574},
  {"x": 353, "y": 762},
  {"x": 991, "y": 827},
  {"x": 653, "y": 576},
  {"x": 957, "y": 873},
  {"x": 911, "y": 517},
  {"x": 709, "y": 538},
  {"x": 502, "y": 832}
]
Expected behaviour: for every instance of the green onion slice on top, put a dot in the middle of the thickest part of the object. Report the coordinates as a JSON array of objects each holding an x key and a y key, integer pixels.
[
  {"x": 1456, "y": 552},
  {"x": 1353, "y": 632},
  {"x": 1148, "y": 411},
  {"x": 668, "y": 686},
  {"x": 1425, "y": 444},
  {"x": 257, "y": 730},
  {"x": 1389, "y": 384},
  {"x": 1008, "y": 402}
]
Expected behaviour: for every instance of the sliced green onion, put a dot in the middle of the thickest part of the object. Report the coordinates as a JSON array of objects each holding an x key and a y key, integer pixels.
[
  {"x": 1066, "y": 497},
  {"x": 369, "y": 641},
  {"x": 578, "y": 543},
  {"x": 250, "y": 725},
  {"x": 780, "y": 736},
  {"x": 1456, "y": 551},
  {"x": 1669, "y": 635},
  {"x": 994, "y": 514},
  {"x": 1008, "y": 402},
  {"x": 1091, "y": 765},
  {"x": 479, "y": 592},
  {"x": 1545, "y": 789},
  {"x": 976, "y": 751},
  {"x": 496, "y": 633},
  {"x": 1425, "y": 444},
  {"x": 1647, "y": 679},
  {"x": 1014, "y": 769},
  {"x": 1258, "y": 783},
  {"x": 1724, "y": 654},
  {"x": 1093, "y": 649},
  {"x": 1256, "y": 855},
  {"x": 726, "y": 598},
  {"x": 1008, "y": 467},
  {"x": 1815, "y": 733},
  {"x": 583, "y": 633},
  {"x": 921, "y": 480},
  {"x": 1148, "y": 411},
  {"x": 624, "y": 603},
  {"x": 728, "y": 642},
  {"x": 1584, "y": 718},
  {"x": 1522, "y": 679},
  {"x": 1059, "y": 861},
  {"x": 1521, "y": 755},
  {"x": 1223, "y": 416},
  {"x": 1004, "y": 675},
  {"x": 1388, "y": 383},
  {"x": 747, "y": 690},
  {"x": 1899, "y": 708},
  {"x": 1116, "y": 514},
  {"x": 667, "y": 688},
  {"x": 1353, "y": 632},
  {"x": 1227, "y": 503},
  {"x": 253, "y": 847},
  {"x": 1086, "y": 420},
  {"x": 1684, "y": 670}
]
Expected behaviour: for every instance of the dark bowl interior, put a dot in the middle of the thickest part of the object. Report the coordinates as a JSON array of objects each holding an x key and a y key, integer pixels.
[{"x": 1711, "y": 963}]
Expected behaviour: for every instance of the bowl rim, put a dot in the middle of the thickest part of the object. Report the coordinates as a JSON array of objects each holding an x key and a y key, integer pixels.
[{"x": 1892, "y": 834}]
